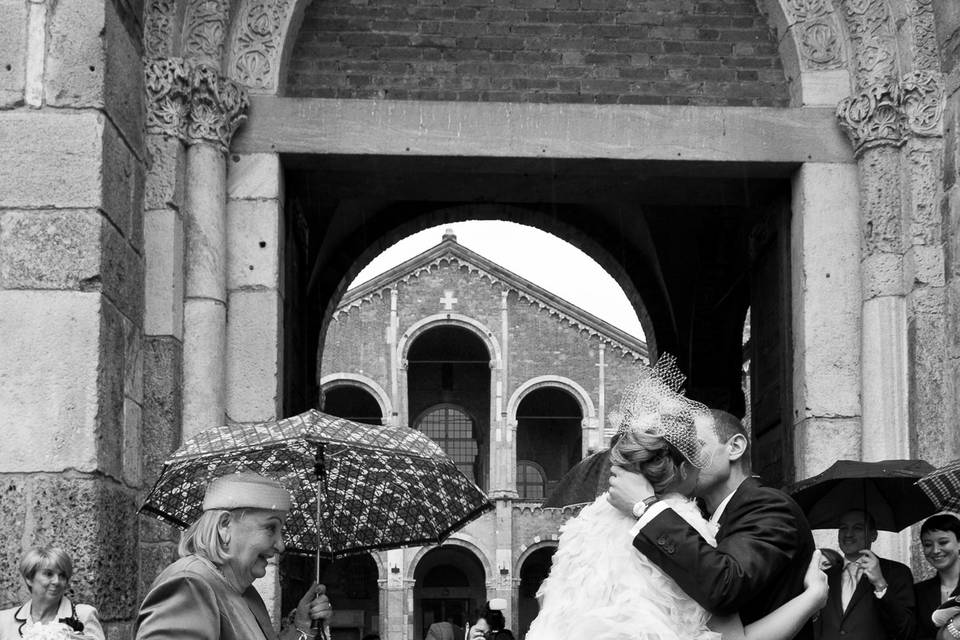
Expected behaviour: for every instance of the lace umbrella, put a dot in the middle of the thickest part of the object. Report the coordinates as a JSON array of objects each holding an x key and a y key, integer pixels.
[
  {"x": 942, "y": 486},
  {"x": 355, "y": 487}
]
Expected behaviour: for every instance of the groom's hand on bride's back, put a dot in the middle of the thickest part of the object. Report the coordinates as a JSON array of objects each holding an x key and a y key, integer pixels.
[{"x": 627, "y": 489}]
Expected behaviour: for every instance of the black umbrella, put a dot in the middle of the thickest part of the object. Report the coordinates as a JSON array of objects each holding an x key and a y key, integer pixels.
[{"x": 886, "y": 490}]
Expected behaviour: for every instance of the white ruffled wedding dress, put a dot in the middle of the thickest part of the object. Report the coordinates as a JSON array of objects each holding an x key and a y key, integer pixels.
[{"x": 601, "y": 588}]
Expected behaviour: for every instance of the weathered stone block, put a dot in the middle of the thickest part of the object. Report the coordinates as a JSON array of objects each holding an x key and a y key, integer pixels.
[
  {"x": 882, "y": 275},
  {"x": 823, "y": 88},
  {"x": 13, "y": 51},
  {"x": 154, "y": 558},
  {"x": 96, "y": 521},
  {"x": 923, "y": 265},
  {"x": 50, "y": 249},
  {"x": 164, "y": 180},
  {"x": 13, "y": 515},
  {"x": 163, "y": 253},
  {"x": 132, "y": 419},
  {"x": 49, "y": 383},
  {"x": 819, "y": 442},
  {"x": 75, "y": 57},
  {"x": 123, "y": 93},
  {"x": 121, "y": 271},
  {"x": 122, "y": 177},
  {"x": 110, "y": 391},
  {"x": 255, "y": 175},
  {"x": 162, "y": 397},
  {"x": 56, "y": 161},
  {"x": 254, "y": 234},
  {"x": 254, "y": 349}
]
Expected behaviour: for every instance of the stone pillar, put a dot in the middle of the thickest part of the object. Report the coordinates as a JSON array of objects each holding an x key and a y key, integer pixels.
[
  {"x": 393, "y": 331},
  {"x": 825, "y": 239},
  {"x": 895, "y": 253},
  {"x": 896, "y": 128},
  {"x": 254, "y": 268},
  {"x": 71, "y": 295},
  {"x": 216, "y": 108}
]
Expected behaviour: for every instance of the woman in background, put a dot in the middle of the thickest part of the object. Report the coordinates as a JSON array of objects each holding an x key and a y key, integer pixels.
[{"x": 47, "y": 572}]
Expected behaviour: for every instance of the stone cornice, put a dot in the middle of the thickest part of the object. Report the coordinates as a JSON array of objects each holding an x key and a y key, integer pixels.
[
  {"x": 193, "y": 102},
  {"x": 888, "y": 112},
  {"x": 451, "y": 253}
]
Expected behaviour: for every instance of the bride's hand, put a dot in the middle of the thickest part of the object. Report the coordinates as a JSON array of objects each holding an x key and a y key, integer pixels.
[
  {"x": 815, "y": 579},
  {"x": 627, "y": 489}
]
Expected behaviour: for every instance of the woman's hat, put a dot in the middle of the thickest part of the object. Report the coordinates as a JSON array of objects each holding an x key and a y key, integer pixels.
[{"x": 246, "y": 490}]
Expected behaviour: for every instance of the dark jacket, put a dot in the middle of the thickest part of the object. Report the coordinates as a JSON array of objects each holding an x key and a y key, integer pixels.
[
  {"x": 867, "y": 618},
  {"x": 927, "y": 595},
  {"x": 763, "y": 549}
]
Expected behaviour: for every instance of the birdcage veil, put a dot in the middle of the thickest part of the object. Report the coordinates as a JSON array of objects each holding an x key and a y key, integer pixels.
[{"x": 655, "y": 404}]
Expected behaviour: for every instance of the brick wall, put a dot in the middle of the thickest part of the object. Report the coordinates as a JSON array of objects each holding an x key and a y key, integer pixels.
[{"x": 718, "y": 52}]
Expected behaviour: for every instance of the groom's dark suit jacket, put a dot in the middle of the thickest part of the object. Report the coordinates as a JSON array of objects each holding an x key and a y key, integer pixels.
[{"x": 763, "y": 549}]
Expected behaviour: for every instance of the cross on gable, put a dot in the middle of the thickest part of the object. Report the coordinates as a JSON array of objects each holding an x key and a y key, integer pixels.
[{"x": 448, "y": 300}]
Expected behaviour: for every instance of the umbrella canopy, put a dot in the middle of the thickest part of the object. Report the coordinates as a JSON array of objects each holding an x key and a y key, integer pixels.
[
  {"x": 942, "y": 486},
  {"x": 886, "y": 490},
  {"x": 374, "y": 487}
]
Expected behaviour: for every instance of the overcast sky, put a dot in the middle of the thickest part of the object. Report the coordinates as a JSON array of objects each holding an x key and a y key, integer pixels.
[{"x": 544, "y": 259}]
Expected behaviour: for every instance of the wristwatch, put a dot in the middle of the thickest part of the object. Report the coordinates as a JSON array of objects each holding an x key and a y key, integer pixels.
[{"x": 643, "y": 505}]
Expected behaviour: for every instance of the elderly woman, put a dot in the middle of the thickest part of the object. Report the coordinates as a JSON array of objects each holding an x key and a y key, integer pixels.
[
  {"x": 208, "y": 593},
  {"x": 47, "y": 572}
]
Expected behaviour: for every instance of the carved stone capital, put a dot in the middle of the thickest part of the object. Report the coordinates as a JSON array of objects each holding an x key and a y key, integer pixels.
[
  {"x": 873, "y": 117},
  {"x": 217, "y": 107},
  {"x": 193, "y": 102},
  {"x": 887, "y": 112},
  {"x": 167, "y": 83}
]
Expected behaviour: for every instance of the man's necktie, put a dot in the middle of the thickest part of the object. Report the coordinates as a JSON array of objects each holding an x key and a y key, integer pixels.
[{"x": 851, "y": 575}]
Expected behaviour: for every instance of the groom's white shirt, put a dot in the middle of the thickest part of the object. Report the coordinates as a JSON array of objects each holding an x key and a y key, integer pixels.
[{"x": 659, "y": 507}]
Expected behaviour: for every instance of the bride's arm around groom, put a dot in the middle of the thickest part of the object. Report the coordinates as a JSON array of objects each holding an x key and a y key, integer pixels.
[{"x": 764, "y": 544}]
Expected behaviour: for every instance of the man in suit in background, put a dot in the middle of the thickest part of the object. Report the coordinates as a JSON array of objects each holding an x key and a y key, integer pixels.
[
  {"x": 871, "y": 598},
  {"x": 764, "y": 544}
]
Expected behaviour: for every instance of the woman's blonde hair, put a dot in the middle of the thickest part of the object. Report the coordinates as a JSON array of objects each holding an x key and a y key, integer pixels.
[
  {"x": 203, "y": 537},
  {"x": 648, "y": 454},
  {"x": 35, "y": 558}
]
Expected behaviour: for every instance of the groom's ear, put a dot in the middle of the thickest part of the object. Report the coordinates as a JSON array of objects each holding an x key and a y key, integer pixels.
[{"x": 736, "y": 446}]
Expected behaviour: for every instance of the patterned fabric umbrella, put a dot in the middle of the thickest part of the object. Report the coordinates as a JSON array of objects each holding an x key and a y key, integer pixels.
[
  {"x": 378, "y": 487},
  {"x": 942, "y": 486}
]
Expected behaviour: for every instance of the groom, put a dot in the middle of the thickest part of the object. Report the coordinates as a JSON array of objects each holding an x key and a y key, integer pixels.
[{"x": 763, "y": 544}]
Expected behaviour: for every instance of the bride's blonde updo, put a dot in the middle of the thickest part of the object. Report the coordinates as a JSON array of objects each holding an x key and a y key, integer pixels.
[{"x": 648, "y": 454}]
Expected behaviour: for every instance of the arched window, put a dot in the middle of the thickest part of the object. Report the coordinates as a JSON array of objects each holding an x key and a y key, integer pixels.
[
  {"x": 452, "y": 429},
  {"x": 530, "y": 480}
]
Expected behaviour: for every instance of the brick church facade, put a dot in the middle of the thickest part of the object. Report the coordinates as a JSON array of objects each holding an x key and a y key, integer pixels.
[{"x": 512, "y": 381}]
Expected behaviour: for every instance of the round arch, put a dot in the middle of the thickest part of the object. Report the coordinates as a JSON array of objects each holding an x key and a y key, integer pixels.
[
  {"x": 558, "y": 382},
  {"x": 453, "y": 320},
  {"x": 368, "y": 384},
  {"x": 459, "y": 540},
  {"x": 527, "y": 551}
]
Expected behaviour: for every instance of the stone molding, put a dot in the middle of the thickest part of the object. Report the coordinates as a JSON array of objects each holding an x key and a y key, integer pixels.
[
  {"x": 204, "y": 30},
  {"x": 193, "y": 102},
  {"x": 256, "y": 42},
  {"x": 888, "y": 112},
  {"x": 158, "y": 28},
  {"x": 817, "y": 33}
]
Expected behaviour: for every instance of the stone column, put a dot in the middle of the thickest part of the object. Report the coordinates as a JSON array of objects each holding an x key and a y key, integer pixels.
[
  {"x": 216, "y": 108},
  {"x": 896, "y": 126}
]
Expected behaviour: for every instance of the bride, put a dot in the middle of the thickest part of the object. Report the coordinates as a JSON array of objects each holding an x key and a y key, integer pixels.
[{"x": 601, "y": 588}]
